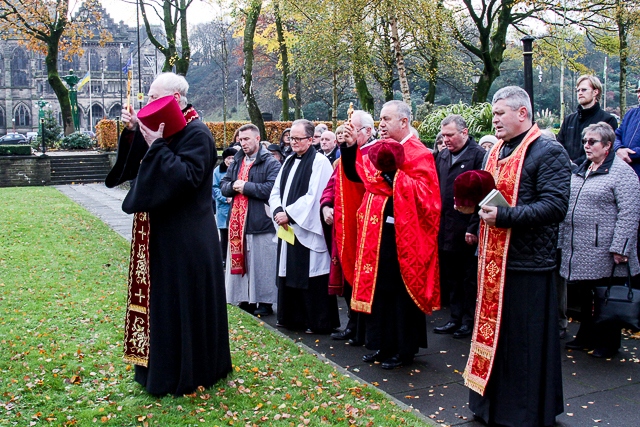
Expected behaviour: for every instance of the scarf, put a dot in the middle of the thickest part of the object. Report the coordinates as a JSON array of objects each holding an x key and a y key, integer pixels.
[{"x": 493, "y": 247}]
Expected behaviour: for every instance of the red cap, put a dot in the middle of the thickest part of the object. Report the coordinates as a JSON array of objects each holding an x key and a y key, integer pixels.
[
  {"x": 387, "y": 155},
  {"x": 163, "y": 110},
  {"x": 470, "y": 187}
]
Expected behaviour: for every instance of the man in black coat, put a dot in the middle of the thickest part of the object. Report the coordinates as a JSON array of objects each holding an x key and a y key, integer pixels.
[
  {"x": 458, "y": 236},
  {"x": 177, "y": 321},
  {"x": 589, "y": 92}
]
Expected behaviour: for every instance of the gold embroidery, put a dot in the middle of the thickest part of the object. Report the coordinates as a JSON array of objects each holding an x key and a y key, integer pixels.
[{"x": 139, "y": 340}]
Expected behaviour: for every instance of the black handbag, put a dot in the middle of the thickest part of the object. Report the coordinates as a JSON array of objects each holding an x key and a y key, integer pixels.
[{"x": 618, "y": 304}]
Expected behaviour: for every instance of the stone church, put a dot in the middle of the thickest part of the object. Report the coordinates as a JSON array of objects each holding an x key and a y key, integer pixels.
[{"x": 23, "y": 78}]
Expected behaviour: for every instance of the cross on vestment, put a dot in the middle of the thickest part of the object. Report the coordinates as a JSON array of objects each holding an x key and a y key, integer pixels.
[
  {"x": 142, "y": 232},
  {"x": 140, "y": 296}
]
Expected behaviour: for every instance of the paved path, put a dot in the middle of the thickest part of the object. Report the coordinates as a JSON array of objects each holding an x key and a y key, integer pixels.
[{"x": 596, "y": 392}]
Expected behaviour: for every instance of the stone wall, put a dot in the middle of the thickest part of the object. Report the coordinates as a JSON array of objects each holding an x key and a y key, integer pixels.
[{"x": 23, "y": 171}]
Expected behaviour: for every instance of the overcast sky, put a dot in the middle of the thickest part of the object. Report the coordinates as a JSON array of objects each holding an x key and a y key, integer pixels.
[{"x": 121, "y": 10}]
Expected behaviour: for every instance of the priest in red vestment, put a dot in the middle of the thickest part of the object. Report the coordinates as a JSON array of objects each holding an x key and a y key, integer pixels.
[
  {"x": 339, "y": 205},
  {"x": 396, "y": 277}
]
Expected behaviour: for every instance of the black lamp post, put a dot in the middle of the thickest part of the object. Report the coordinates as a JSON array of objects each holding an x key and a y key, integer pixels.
[{"x": 527, "y": 51}]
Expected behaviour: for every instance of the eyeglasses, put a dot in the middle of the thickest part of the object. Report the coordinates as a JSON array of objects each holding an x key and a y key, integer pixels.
[
  {"x": 590, "y": 142},
  {"x": 299, "y": 140}
]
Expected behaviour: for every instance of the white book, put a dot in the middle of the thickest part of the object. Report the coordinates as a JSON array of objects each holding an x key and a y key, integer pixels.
[{"x": 494, "y": 198}]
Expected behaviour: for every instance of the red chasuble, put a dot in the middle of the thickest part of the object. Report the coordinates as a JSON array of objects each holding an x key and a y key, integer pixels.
[
  {"x": 493, "y": 247},
  {"x": 347, "y": 199},
  {"x": 137, "y": 332},
  {"x": 416, "y": 210}
]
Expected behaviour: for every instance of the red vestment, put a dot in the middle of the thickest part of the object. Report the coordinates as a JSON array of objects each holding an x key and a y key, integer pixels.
[{"x": 416, "y": 210}]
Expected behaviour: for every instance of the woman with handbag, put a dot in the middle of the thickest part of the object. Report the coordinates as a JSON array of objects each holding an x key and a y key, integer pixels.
[{"x": 599, "y": 234}]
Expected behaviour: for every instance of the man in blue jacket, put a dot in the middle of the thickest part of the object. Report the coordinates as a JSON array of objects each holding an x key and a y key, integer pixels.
[{"x": 628, "y": 137}]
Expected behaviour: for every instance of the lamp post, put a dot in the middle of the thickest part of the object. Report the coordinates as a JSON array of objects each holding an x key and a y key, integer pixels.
[
  {"x": 104, "y": 110},
  {"x": 41, "y": 104},
  {"x": 13, "y": 121},
  {"x": 527, "y": 51}
]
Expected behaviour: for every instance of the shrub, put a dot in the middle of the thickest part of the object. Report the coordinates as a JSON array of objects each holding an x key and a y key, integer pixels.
[
  {"x": 15, "y": 150},
  {"x": 75, "y": 141},
  {"x": 477, "y": 116},
  {"x": 107, "y": 134}
]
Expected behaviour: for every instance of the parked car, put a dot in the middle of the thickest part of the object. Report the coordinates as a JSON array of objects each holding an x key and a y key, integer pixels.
[
  {"x": 13, "y": 138},
  {"x": 31, "y": 136}
]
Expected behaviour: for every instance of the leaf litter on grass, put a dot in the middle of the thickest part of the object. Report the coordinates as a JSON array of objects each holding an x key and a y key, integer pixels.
[{"x": 63, "y": 294}]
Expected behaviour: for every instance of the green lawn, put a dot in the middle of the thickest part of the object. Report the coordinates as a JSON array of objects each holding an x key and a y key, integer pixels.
[{"x": 62, "y": 301}]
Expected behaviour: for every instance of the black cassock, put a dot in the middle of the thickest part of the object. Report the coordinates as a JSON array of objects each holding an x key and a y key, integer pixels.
[{"x": 189, "y": 339}]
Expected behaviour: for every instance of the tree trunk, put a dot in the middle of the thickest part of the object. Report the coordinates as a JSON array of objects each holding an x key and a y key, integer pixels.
[
  {"x": 334, "y": 99},
  {"x": 247, "y": 90},
  {"x": 298, "y": 109},
  {"x": 365, "y": 97},
  {"x": 624, "y": 55},
  {"x": 182, "y": 63},
  {"x": 433, "y": 77},
  {"x": 284, "y": 61},
  {"x": 402, "y": 72},
  {"x": 59, "y": 88}
]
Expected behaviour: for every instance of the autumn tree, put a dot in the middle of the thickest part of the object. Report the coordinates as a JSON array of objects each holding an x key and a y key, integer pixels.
[
  {"x": 49, "y": 28},
  {"x": 173, "y": 15},
  {"x": 251, "y": 13}
]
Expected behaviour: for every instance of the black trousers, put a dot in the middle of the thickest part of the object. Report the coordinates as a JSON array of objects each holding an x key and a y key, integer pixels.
[
  {"x": 224, "y": 242},
  {"x": 459, "y": 281},
  {"x": 356, "y": 319}
]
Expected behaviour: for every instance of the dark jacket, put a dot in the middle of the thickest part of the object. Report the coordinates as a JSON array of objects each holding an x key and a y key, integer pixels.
[
  {"x": 543, "y": 199},
  {"x": 570, "y": 135},
  {"x": 453, "y": 224},
  {"x": 262, "y": 176},
  {"x": 333, "y": 155},
  {"x": 628, "y": 135}
]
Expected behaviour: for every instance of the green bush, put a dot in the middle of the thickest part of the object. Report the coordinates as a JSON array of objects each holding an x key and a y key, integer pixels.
[
  {"x": 477, "y": 116},
  {"x": 15, "y": 150},
  {"x": 75, "y": 141},
  {"x": 51, "y": 132}
]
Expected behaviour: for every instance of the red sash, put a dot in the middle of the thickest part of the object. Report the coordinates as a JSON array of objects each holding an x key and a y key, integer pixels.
[
  {"x": 348, "y": 197},
  {"x": 136, "y": 338},
  {"x": 237, "y": 223},
  {"x": 493, "y": 247}
]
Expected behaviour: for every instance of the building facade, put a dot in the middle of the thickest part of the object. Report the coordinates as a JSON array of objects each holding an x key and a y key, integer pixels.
[{"x": 23, "y": 78}]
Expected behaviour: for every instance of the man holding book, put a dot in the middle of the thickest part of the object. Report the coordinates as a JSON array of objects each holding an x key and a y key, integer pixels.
[{"x": 514, "y": 370}]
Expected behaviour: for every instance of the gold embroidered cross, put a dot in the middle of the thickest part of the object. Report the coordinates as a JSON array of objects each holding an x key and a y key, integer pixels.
[
  {"x": 140, "y": 296},
  {"x": 142, "y": 232}
]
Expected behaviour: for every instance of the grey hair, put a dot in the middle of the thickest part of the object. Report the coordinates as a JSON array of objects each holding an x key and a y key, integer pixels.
[
  {"x": 603, "y": 130},
  {"x": 309, "y": 128},
  {"x": 366, "y": 119},
  {"x": 403, "y": 110},
  {"x": 322, "y": 128},
  {"x": 439, "y": 137},
  {"x": 459, "y": 121},
  {"x": 515, "y": 97},
  {"x": 173, "y": 82}
]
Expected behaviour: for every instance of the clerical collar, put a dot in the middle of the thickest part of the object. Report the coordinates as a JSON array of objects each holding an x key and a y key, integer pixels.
[
  {"x": 510, "y": 146},
  {"x": 406, "y": 138}
]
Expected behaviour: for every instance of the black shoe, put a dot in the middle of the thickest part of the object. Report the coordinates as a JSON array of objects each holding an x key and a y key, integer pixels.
[
  {"x": 263, "y": 310},
  {"x": 604, "y": 353},
  {"x": 249, "y": 308},
  {"x": 463, "y": 332},
  {"x": 563, "y": 333},
  {"x": 576, "y": 345},
  {"x": 373, "y": 357},
  {"x": 343, "y": 335},
  {"x": 396, "y": 361},
  {"x": 449, "y": 328},
  {"x": 354, "y": 342}
]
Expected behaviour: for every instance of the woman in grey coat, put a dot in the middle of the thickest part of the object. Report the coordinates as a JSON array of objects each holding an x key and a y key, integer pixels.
[{"x": 599, "y": 232}]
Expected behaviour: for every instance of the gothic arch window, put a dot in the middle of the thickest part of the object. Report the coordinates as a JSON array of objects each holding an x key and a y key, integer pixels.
[
  {"x": 3, "y": 123},
  {"x": 95, "y": 60},
  {"x": 22, "y": 116},
  {"x": 19, "y": 68},
  {"x": 2, "y": 71},
  {"x": 74, "y": 64},
  {"x": 115, "y": 111},
  {"x": 113, "y": 60}
]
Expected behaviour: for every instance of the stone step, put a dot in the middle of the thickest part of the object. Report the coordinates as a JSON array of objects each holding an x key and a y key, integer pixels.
[{"x": 79, "y": 169}]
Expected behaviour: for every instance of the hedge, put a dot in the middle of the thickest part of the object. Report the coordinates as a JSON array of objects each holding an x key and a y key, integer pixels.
[
  {"x": 15, "y": 150},
  {"x": 108, "y": 137}
]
